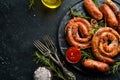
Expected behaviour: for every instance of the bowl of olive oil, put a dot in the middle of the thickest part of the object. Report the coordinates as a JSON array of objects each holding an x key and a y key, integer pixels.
[{"x": 52, "y": 3}]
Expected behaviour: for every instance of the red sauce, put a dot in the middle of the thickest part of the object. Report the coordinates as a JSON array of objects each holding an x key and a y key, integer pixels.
[{"x": 73, "y": 55}]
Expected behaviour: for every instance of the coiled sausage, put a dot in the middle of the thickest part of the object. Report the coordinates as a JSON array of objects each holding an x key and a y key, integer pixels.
[
  {"x": 77, "y": 32},
  {"x": 105, "y": 43}
]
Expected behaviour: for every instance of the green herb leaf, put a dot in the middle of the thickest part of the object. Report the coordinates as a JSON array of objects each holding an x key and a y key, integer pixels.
[
  {"x": 100, "y": 25},
  {"x": 76, "y": 14},
  {"x": 31, "y": 3},
  {"x": 48, "y": 62},
  {"x": 92, "y": 31},
  {"x": 96, "y": 3},
  {"x": 87, "y": 54},
  {"x": 114, "y": 68}
]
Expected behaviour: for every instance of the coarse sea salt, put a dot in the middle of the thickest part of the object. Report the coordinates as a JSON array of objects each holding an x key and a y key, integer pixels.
[{"x": 42, "y": 73}]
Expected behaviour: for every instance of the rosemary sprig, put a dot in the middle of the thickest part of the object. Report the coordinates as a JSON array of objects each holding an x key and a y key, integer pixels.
[
  {"x": 48, "y": 62},
  {"x": 96, "y": 3},
  {"x": 114, "y": 68},
  {"x": 76, "y": 14},
  {"x": 31, "y": 3},
  {"x": 87, "y": 54}
]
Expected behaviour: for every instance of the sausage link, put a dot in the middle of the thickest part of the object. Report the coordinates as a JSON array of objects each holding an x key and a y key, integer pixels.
[
  {"x": 109, "y": 16},
  {"x": 112, "y": 5},
  {"x": 95, "y": 65},
  {"x": 118, "y": 28},
  {"x": 118, "y": 18},
  {"x": 92, "y": 9},
  {"x": 119, "y": 48}
]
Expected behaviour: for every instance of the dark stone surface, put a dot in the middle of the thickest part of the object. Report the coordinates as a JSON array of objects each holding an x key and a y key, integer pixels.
[{"x": 19, "y": 26}]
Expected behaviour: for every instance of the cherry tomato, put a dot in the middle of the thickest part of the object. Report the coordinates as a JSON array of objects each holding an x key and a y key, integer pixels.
[{"x": 73, "y": 55}]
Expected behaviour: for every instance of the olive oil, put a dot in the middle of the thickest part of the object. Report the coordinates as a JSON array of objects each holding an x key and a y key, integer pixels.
[{"x": 52, "y": 3}]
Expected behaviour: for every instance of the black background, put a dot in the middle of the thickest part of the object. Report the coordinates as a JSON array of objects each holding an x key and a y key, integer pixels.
[{"x": 19, "y": 26}]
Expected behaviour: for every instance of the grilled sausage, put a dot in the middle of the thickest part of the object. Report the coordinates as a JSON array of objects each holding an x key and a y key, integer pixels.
[
  {"x": 119, "y": 48},
  {"x": 112, "y": 5},
  {"x": 92, "y": 9},
  {"x": 109, "y": 16},
  {"x": 105, "y": 43},
  {"x": 95, "y": 65},
  {"x": 118, "y": 28},
  {"x": 118, "y": 18},
  {"x": 76, "y": 39}
]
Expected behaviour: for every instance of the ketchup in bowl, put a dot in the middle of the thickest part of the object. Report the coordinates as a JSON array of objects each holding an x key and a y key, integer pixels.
[{"x": 73, "y": 55}]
